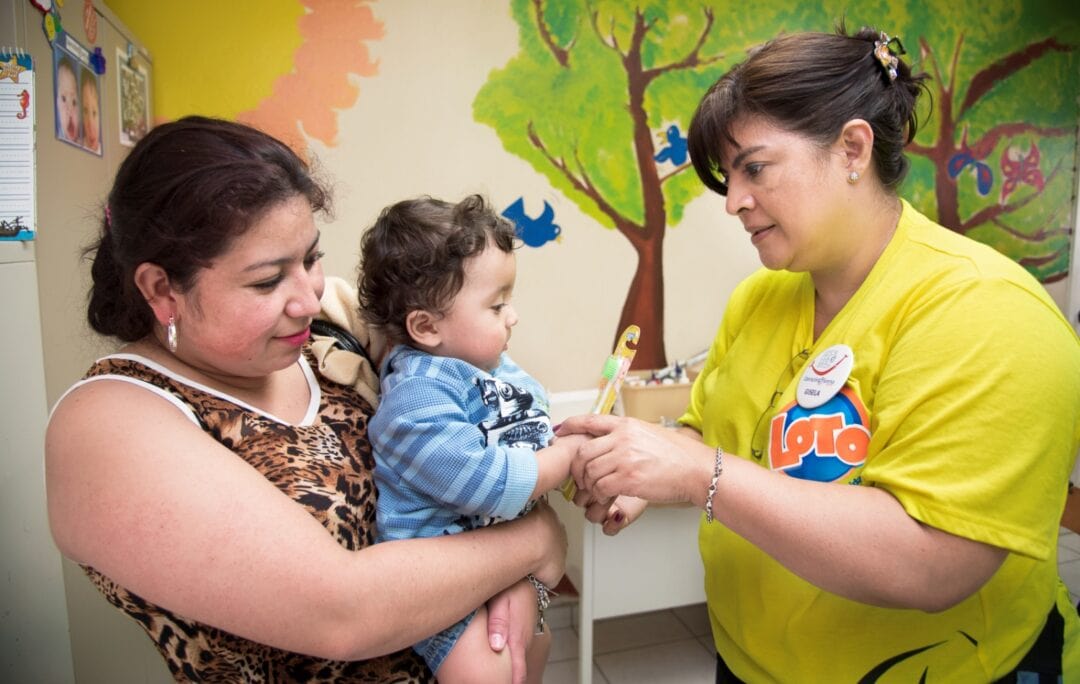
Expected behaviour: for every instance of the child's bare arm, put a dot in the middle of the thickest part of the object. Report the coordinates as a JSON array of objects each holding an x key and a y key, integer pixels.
[{"x": 553, "y": 463}]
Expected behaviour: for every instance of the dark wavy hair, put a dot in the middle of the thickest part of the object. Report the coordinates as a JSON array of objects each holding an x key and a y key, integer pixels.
[
  {"x": 413, "y": 257},
  {"x": 184, "y": 193},
  {"x": 811, "y": 84}
]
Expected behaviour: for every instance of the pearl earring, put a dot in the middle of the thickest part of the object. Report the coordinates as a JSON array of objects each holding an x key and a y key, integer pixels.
[{"x": 853, "y": 177}]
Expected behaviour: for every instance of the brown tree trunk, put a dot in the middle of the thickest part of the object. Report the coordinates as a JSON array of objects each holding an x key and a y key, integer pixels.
[
  {"x": 644, "y": 305},
  {"x": 948, "y": 203}
]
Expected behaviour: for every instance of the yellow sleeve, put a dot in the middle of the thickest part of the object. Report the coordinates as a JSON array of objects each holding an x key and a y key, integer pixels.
[{"x": 976, "y": 418}]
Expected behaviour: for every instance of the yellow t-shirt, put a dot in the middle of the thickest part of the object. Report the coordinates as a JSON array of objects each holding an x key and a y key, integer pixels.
[{"x": 963, "y": 402}]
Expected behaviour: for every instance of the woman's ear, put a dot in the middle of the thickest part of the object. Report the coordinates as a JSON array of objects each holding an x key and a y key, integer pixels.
[
  {"x": 857, "y": 145},
  {"x": 423, "y": 328},
  {"x": 153, "y": 283}
]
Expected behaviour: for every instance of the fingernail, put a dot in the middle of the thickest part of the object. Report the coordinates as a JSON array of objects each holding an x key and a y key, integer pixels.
[
  {"x": 497, "y": 641},
  {"x": 619, "y": 517},
  {"x": 556, "y": 427}
]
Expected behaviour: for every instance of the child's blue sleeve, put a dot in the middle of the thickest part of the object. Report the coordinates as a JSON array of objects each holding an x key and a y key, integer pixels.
[{"x": 422, "y": 432}]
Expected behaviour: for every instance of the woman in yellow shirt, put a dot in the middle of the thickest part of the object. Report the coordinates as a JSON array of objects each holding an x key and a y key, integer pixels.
[{"x": 883, "y": 431}]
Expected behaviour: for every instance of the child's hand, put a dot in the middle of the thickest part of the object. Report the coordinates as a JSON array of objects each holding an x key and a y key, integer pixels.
[
  {"x": 553, "y": 463},
  {"x": 624, "y": 510}
]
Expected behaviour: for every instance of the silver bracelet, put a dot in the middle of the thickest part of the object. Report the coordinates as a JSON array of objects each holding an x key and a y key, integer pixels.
[
  {"x": 543, "y": 600},
  {"x": 718, "y": 468}
]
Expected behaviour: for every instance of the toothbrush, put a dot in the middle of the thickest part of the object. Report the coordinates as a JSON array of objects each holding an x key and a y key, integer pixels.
[{"x": 611, "y": 377}]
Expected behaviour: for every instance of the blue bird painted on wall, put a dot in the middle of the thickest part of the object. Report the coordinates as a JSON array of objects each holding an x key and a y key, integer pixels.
[
  {"x": 675, "y": 150},
  {"x": 534, "y": 232}
]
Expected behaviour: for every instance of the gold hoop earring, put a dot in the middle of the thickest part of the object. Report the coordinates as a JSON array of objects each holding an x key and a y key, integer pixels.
[
  {"x": 171, "y": 336},
  {"x": 853, "y": 178}
]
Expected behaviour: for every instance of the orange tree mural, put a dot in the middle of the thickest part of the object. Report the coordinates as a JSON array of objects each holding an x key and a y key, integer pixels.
[
  {"x": 306, "y": 101},
  {"x": 600, "y": 94}
]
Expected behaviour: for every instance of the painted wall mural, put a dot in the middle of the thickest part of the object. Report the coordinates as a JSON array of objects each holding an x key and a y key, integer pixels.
[
  {"x": 306, "y": 101},
  {"x": 595, "y": 97},
  {"x": 534, "y": 232},
  {"x": 998, "y": 155},
  {"x": 600, "y": 91},
  {"x": 582, "y": 103},
  {"x": 286, "y": 66}
]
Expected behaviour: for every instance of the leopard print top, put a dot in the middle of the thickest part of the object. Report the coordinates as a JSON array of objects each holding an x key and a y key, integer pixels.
[{"x": 325, "y": 465}]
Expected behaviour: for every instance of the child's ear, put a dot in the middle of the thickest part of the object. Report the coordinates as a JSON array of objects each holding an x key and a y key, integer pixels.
[{"x": 423, "y": 328}]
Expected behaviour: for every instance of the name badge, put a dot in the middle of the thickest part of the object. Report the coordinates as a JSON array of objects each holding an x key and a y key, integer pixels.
[{"x": 825, "y": 376}]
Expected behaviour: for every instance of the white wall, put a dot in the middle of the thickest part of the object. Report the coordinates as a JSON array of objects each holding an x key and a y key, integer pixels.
[{"x": 34, "y": 644}]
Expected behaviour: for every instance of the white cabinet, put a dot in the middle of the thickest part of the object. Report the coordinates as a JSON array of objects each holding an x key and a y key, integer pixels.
[{"x": 651, "y": 565}]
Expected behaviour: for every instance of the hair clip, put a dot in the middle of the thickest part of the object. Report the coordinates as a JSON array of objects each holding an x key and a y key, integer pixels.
[
  {"x": 886, "y": 53},
  {"x": 108, "y": 217}
]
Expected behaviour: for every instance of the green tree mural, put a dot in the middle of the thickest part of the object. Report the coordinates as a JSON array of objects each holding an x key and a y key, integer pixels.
[
  {"x": 591, "y": 101},
  {"x": 996, "y": 158},
  {"x": 601, "y": 91}
]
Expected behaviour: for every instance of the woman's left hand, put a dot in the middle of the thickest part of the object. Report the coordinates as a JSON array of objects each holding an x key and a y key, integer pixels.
[
  {"x": 625, "y": 510},
  {"x": 512, "y": 620}
]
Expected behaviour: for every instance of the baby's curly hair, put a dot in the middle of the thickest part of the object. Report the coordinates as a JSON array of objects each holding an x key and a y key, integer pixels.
[{"x": 413, "y": 257}]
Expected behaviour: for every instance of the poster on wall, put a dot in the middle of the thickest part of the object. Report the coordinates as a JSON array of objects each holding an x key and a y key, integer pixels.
[
  {"x": 76, "y": 95},
  {"x": 134, "y": 99},
  {"x": 16, "y": 144}
]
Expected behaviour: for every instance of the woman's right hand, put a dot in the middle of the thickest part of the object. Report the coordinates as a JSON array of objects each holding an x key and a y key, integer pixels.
[{"x": 631, "y": 457}]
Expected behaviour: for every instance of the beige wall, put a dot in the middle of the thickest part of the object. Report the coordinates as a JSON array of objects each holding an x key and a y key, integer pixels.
[{"x": 412, "y": 132}]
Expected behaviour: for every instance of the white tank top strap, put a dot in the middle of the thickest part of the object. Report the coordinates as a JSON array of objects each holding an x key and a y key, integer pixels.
[
  {"x": 168, "y": 396},
  {"x": 314, "y": 392}
]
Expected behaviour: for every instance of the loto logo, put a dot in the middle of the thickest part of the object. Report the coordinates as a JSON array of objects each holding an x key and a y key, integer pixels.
[{"x": 823, "y": 444}]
